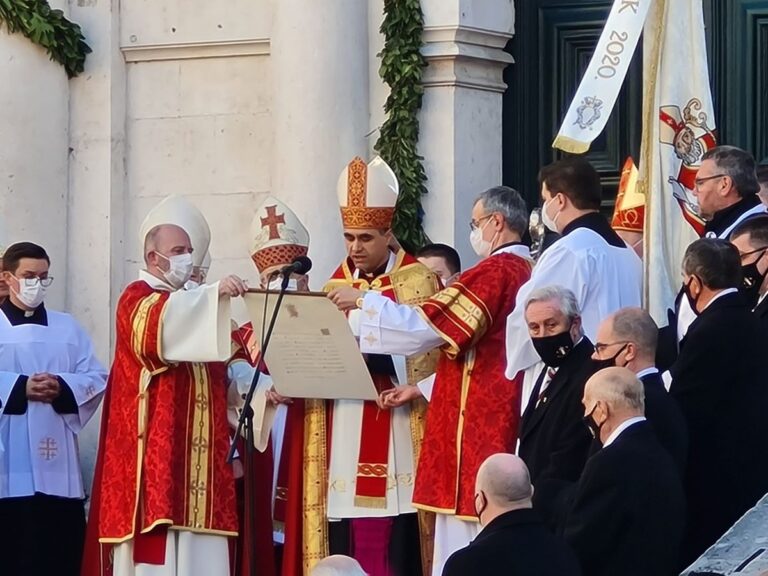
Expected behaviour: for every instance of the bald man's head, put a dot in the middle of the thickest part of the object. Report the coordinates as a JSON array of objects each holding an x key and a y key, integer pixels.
[
  {"x": 168, "y": 239},
  {"x": 618, "y": 387},
  {"x": 504, "y": 481},
  {"x": 338, "y": 565},
  {"x": 612, "y": 396}
]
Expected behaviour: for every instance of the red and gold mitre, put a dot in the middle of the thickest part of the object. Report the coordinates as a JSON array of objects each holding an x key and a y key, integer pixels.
[
  {"x": 278, "y": 236},
  {"x": 367, "y": 194},
  {"x": 629, "y": 213}
]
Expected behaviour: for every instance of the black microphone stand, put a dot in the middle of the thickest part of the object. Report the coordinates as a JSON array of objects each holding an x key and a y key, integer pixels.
[{"x": 245, "y": 422}]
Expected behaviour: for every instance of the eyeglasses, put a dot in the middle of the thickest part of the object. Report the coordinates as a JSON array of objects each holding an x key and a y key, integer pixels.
[
  {"x": 601, "y": 347},
  {"x": 474, "y": 225},
  {"x": 699, "y": 181},
  {"x": 45, "y": 282},
  {"x": 743, "y": 255}
]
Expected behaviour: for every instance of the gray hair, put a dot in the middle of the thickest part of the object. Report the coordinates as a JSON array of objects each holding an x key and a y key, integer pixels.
[
  {"x": 338, "y": 565},
  {"x": 566, "y": 299},
  {"x": 619, "y": 388},
  {"x": 636, "y": 325},
  {"x": 507, "y": 202},
  {"x": 739, "y": 165},
  {"x": 716, "y": 262}
]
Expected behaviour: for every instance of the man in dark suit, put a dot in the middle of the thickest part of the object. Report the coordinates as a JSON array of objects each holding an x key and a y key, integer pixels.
[
  {"x": 513, "y": 540},
  {"x": 626, "y": 515},
  {"x": 553, "y": 440},
  {"x": 726, "y": 188},
  {"x": 719, "y": 381},
  {"x": 751, "y": 240},
  {"x": 627, "y": 339}
]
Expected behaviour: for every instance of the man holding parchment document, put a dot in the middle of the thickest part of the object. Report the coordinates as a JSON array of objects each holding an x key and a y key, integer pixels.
[
  {"x": 473, "y": 409},
  {"x": 371, "y": 463},
  {"x": 163, "y": 493}
]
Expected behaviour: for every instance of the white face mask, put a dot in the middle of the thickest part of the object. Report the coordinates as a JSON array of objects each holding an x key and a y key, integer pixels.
[
  {"x": 549, "y": 222},
  {"x": 31, "y": 296},
  {"x": 180, "y": 269},
  {"x": 481, "y": 246},
  {"x": 293, "y": 285}
]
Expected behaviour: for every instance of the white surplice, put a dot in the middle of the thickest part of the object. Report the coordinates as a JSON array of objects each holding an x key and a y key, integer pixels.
[
  {"x": 38, "y": 449},
  {"x": 604, "y": 278},
  {"x": 196, "y": 327},
  {"x": 345, "y": 449}
]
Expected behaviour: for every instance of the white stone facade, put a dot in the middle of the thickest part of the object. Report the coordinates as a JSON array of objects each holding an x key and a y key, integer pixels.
[{"x": 225, "y": 101}]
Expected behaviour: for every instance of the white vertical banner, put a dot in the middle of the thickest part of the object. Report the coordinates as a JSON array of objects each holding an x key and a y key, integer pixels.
[
  {"x": 599, "y": 89},
  {"x": 678, "y": 128}
]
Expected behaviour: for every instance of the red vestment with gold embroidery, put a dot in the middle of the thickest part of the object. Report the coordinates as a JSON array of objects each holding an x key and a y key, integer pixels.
[
  {"x": 164, "y": 439},
  {"x": 474, "y": 410}
]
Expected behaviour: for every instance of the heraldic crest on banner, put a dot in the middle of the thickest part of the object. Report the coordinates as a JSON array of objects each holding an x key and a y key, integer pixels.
[{"x": 690, "y": 137}]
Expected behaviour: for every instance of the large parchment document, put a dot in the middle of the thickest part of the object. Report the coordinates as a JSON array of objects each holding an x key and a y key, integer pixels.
[{"x": 312, "y": 352}]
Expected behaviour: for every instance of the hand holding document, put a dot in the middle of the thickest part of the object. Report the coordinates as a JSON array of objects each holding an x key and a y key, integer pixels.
[{"x": 312, "y": 352}]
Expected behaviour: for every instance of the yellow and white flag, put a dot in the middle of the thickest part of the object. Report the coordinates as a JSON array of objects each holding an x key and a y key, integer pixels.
[
  {"x": 599, "y": 89},
  {"x": 678, "y": 128}
]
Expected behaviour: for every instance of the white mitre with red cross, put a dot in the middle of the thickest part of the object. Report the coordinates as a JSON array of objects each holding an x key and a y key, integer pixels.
[
  {"x": 277, "y": 236},
  {"x": 367, "y": 194},
  {"x": 180, "y": 212}
]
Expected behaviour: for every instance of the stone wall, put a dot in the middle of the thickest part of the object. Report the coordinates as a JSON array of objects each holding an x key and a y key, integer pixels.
[{"x": 225, "y": 102}]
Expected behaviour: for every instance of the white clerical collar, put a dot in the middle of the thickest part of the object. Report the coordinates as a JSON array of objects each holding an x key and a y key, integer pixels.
[
  {"x": 720, "y": 295},
  {"x": 517, "y": 249},
  {"x": 390, "y": 264},
  {"x": 621, "y": 427},
  {"x": 154, "y": 282},
  {"x": 647, "y": 372}
]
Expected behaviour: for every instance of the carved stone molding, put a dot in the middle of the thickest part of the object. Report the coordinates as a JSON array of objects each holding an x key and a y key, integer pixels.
[
  {"x": 192, "y": 50},
  {"x": 465, "y": 57}
]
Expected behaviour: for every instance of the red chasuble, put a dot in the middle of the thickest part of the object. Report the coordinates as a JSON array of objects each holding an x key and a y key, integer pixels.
[
  {"x": 163, "y": 446},
  {"x": 474, "y": 411}
]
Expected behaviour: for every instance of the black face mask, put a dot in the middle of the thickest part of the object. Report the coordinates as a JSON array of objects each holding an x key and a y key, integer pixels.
[
  {"x": 553, "y": 350},
  {"x": 691, "y": 299},
  {"x": 752, "y": 280},
  {"x": 610, "y": 362},
  {"x": 592, "y": 426}
]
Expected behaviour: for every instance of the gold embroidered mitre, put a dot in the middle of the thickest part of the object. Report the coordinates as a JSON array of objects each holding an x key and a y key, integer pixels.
[{"x": 367, "y": 194}]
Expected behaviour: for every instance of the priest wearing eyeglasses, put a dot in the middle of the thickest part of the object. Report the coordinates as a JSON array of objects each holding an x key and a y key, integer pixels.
[{"x": 50, "y": 386}]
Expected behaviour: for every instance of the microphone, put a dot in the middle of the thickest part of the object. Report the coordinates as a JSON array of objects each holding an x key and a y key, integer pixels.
[{"x": 300, "y": 265}]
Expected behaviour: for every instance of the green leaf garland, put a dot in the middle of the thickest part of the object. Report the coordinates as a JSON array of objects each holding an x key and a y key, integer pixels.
[
  {"x": 401, "y": 68},
  {"x": 62, "y": 39}
]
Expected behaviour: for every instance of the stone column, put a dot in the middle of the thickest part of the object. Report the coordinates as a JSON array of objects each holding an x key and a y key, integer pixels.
[
  {"x": 320, "y": 71},
  {"x": 461, "y": 126},
  {"x": 34, "y": 136},
  {"x": 97, "y": 186}
]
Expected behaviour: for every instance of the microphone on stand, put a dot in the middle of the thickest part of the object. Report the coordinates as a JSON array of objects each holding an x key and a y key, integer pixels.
[{"x": 300, "y": 265}]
